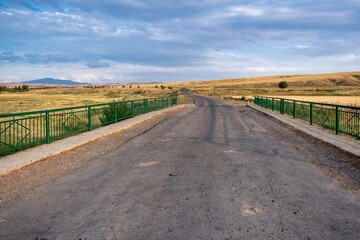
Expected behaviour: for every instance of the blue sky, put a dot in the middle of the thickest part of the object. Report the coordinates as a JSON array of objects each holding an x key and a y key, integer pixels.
[{"x": 157, "y": 40}]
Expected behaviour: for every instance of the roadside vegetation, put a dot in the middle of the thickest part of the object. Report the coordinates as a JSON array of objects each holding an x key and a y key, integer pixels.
[
  {"x": 50, "y": 98},
  {"x": 338, "y": 88}
]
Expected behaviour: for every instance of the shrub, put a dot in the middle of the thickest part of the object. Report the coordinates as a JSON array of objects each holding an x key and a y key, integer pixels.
[
  {"x": 162, "y": 87},
  {"x": 156, "y": 86},
  {"x": 169, "y": 87},
  {"x": 283, "y": 84},
  {"x": 123, "y": 111}
]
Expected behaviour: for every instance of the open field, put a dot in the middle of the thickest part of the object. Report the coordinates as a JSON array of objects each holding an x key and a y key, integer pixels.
[
  {"x": 42, "y": 99},
  {"x": 338, "y": 88},
  {"x": 341, "y": 100},
  {"x": 332, "y": 84}
]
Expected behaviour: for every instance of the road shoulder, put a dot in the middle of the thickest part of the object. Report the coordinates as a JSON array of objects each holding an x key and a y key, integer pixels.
[{"x": 343, "y": 142}]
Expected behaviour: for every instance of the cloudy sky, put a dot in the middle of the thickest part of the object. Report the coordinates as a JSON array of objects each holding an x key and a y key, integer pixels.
[{"x": 104, "y": 41}]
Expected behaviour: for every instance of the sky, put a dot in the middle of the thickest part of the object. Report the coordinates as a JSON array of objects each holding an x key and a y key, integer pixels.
[{"x": 110, "y": 41}]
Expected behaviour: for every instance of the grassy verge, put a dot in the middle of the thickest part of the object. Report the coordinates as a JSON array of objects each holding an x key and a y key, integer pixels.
[{"x": 44, "y": 99}]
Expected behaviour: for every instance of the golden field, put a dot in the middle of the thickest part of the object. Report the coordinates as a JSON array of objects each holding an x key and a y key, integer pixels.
[
  {"x": 335, "y": 85},
  {"x": 337, "y": 88},
  {"x": 340, "y": 100},
  {"x": 43, "y": 99}
]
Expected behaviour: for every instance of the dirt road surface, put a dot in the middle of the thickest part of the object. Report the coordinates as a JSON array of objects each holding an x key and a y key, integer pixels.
[{"x": 213, "y": 171}]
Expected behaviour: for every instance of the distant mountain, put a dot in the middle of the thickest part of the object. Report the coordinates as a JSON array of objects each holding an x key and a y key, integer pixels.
[{"x": 54, "y": 81}]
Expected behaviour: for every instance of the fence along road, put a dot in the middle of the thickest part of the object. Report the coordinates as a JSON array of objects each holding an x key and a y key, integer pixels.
[
  {"x": 339, "y": 118},
  {"x": 215, "y": 171},
  {"x": 27, "y": 129}
]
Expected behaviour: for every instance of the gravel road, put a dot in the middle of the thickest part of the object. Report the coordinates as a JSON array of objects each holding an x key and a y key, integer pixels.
[{"x": 213, "y": 171}]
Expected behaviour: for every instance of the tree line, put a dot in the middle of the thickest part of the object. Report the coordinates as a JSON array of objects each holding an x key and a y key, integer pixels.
[{"x": 23, "y": 88}]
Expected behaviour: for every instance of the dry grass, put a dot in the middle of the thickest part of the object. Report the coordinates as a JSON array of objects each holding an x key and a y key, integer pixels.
[
  {"x": 42, "y": 99},
  {"x": 332, "y": 84},
  {"x": 341, "y": 100}
]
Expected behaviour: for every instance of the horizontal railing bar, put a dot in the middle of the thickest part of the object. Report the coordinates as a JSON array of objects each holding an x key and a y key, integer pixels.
[
  {"x": 71, "y": 108},
  {"x": 317, "y": 103},
  {"x": 339, "y": 118}
]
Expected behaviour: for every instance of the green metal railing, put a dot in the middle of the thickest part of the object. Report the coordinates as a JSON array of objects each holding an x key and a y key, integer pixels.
[
  {"x": 21, "y": 130},
  {"x": 339, "y": 118}
]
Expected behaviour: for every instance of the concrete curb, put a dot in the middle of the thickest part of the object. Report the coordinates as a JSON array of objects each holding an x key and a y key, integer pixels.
[
  {"x": 343, "y": 142},
  {"x": 26, "y": 157}
]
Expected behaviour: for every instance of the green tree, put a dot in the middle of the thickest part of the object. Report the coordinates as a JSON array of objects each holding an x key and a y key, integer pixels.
[
  {"x": 25, "y": 88},
  {"x": 283, "y": 84}
]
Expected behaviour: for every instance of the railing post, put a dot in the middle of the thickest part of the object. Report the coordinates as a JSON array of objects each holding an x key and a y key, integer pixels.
[
  {"x": 167, "y": 102},
  {"x": 89, "y": 117},
  {"x": 144, "y": 105},
  {"x": 266, "y": 102},
  {"x": 47, "y": 128},
  {"x": 132, "y": 109},
  {"x": 272, "y": 104},
  {"x": 311, "y": 114},
  {"x": 115, "y": 113},
  {"x": 337, "y": 120},
  {"x": 282, "y": 106},
  {"x": 294, "y": 113},
  {"x": 155, "y": 103}
]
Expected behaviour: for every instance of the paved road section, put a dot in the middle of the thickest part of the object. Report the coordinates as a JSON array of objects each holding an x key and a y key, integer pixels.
[
  {"x": 214, "y": 172},
  {"x": 23, "y": 158}
]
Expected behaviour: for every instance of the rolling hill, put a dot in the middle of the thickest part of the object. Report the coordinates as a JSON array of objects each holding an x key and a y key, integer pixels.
[{"x": 54, "y": 82}]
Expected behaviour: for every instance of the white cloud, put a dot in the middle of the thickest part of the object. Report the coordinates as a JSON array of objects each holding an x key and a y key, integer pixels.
[
  {"x": 7, "y": 13},
  {"x": 301, "y": 46},
  {"x": 285, "y": 10},
  {"x": 345, "y": 58},
  {"x": 245, "y": 11}
]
